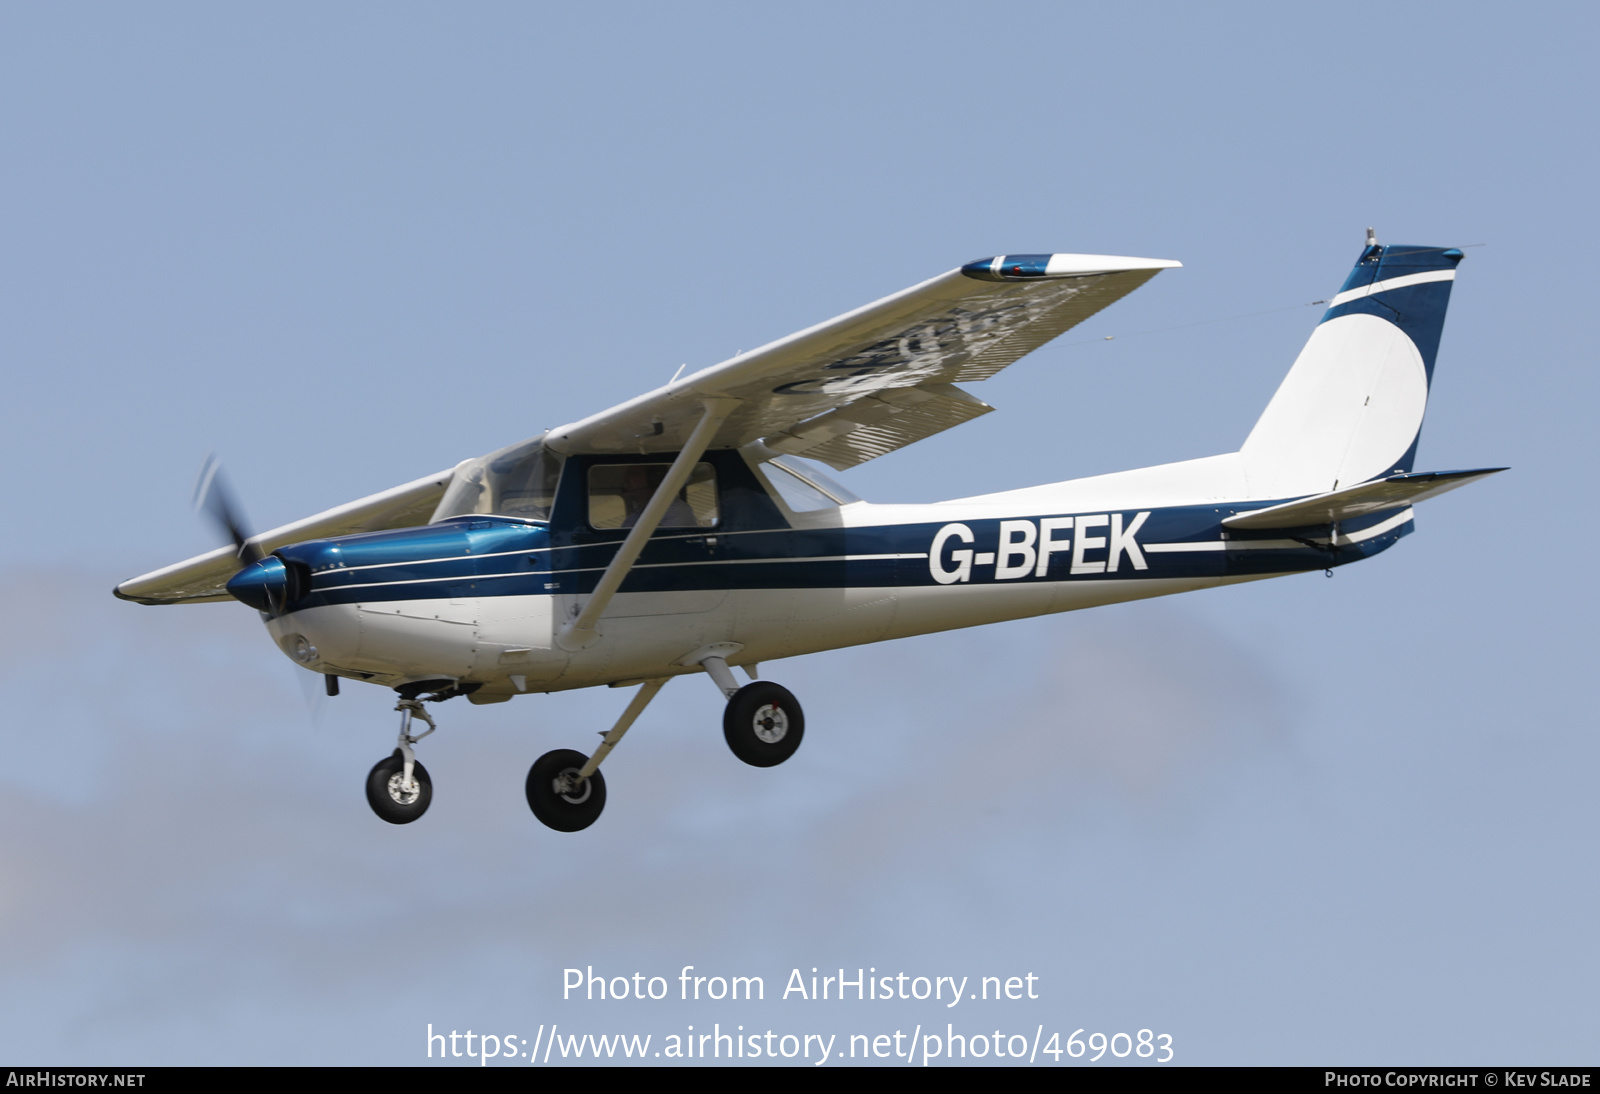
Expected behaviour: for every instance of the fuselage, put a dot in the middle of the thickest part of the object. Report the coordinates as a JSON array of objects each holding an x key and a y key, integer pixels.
[{"x": 481, "y": 599}]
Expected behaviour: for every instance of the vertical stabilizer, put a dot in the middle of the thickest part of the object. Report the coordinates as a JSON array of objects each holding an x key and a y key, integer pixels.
[{"x": 1351, "y": 407}]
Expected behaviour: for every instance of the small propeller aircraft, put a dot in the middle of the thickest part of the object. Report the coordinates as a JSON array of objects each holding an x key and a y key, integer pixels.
[{"x": 688, "y": 530}]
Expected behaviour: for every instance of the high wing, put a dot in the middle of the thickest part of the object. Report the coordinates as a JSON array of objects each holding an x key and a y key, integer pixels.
[
  {"x": 880, "y": 377},
  {"x": 204, "y": 577},
  {"x": 858, "y": 386}
]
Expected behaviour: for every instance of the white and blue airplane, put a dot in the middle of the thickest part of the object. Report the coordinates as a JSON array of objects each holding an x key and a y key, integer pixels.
[{"x": 686, "y": 531}]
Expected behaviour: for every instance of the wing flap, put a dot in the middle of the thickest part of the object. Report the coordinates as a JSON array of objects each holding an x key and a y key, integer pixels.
[
  {"x": 1362, "y": 500},
  {"x": 879, "y": 423},
  {"x": 204, "y": 577}
]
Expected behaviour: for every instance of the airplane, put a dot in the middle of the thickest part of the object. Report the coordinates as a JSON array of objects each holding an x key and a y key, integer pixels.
[{"x": 690, "y": 531}]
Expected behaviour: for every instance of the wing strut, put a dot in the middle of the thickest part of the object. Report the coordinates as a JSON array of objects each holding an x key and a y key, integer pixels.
[{"x": 580, "y": 633}]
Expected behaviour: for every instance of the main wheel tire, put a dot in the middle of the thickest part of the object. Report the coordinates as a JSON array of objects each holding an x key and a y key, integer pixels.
[
  {"x": 763, "y": 724},
  {"x": 389, "y": 799},
  {"x": 565, "y": 812}
]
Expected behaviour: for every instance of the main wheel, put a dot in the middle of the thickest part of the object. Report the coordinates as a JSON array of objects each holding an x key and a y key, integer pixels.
[
  {"x": 566, "y": 808},
  {"x": 763, "y": 724},
  {"x": 389, "y": 798}
]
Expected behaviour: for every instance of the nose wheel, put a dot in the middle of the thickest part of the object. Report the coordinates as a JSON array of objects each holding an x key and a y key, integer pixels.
[
  {"x": 389, "y": 794},
  {"x": 398, "y": 787}
]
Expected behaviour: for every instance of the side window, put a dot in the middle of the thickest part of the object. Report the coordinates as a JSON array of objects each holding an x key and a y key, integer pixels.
[
  {"x": 798, "y": 494},
  {"x": 803, "y": 488},
  {"x": 618, "y": 493}
]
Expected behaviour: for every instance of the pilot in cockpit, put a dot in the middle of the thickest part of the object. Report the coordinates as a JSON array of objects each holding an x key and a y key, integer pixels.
[{"x": 639, "y": 483}]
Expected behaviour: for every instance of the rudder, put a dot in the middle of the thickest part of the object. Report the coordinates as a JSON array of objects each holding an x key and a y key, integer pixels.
[{"x": 1351, "y": 407}]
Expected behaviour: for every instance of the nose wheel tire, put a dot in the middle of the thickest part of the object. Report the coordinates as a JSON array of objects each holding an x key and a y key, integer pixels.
[
  {"x": 388, "y": 795},
  {"x": 558, "y": 797},
  {"x": 763, "y": 724}
]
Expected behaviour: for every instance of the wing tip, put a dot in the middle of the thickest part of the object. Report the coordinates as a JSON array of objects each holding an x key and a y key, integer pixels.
[
  {"x": 130, "y": 598},
  {"x": 1030, "y": 267}
]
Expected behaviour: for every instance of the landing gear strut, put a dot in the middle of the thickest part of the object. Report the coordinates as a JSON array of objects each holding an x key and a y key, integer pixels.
[
  {"x": 565, "y": 788},
  {"x": 763, "y": 725},
  {"x": 398, "y": 787}
]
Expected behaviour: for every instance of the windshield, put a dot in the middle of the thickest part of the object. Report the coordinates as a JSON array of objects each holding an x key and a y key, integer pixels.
[{"x": 519, "y": 481}]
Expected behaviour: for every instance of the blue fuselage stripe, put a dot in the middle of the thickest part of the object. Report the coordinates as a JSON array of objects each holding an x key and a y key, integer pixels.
[{"x": 488, "y": 558}]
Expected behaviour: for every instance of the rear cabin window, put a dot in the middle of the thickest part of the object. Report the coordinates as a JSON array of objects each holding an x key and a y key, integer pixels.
[
  {"x": 619, "y": 492},
  {"x": 803, "y": 488}
]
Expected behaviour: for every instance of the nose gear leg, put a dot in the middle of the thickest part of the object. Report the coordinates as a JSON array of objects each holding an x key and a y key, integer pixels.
[
  {"x": 411, "y": 708},
  {"x": 398, "y": 787}
]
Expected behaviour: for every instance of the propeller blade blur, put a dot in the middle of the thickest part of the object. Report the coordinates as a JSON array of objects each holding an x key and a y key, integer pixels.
[{"x": 214, "y": 498}]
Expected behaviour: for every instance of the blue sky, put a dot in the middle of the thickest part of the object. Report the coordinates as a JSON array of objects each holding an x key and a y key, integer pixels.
[{"x": 345, "y": 246}]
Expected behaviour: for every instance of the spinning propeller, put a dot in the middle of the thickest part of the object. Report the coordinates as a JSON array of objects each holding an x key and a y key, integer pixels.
[
  {"x": 213, "y": 497},
  {"x": 265, "y": 582}
]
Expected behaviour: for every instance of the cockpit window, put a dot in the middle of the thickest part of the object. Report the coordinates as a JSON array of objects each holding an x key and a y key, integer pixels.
[
  {"x": 519, "y": 481},
  {"x": 619, "y": 492},
  {"x": 802, "y": 487}
]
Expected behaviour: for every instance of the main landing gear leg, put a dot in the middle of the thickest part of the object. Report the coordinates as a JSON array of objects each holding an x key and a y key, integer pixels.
[
  {"x": 762, "y": 722},
  {"x": 565, "y": 789},
  {"x": 398, "y": 787}
]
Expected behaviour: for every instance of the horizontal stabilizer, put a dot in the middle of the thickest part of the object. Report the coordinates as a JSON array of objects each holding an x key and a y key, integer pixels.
[{"x": 1358, "y": 501}]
